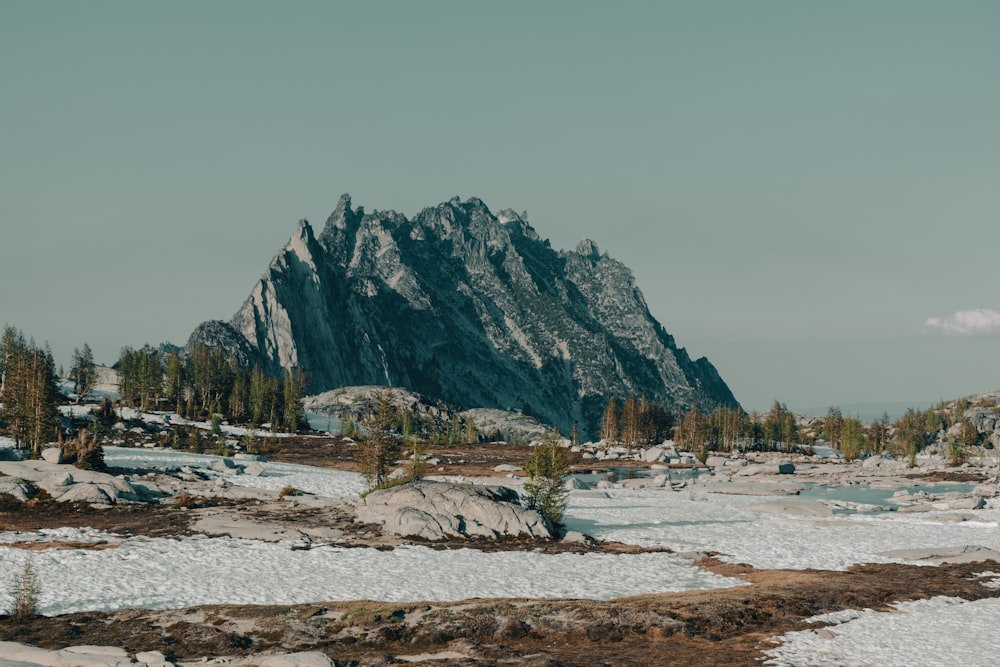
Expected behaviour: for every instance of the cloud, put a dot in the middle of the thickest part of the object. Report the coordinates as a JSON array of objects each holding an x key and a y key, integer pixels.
[{"x": 978, "y": 322}]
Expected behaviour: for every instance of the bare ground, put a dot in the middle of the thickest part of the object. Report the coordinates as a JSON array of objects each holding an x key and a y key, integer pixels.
[{"x": 694, "y": 629}]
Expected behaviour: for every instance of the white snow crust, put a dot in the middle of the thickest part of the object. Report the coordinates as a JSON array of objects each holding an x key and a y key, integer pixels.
[
  {"x": 687, "y": 520},
  {"x": 161, "y": 573},
  {"x": 171, "y": 419},
  {"x": 940, "y": 632},
  {"x": 319, "y": 481}
]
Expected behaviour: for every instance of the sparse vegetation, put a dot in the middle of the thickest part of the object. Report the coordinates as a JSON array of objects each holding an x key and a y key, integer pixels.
[{"x": 25, "y": 592}]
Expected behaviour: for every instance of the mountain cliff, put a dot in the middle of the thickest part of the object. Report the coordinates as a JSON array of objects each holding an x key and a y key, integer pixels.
[{"x": 465, "y": 306}]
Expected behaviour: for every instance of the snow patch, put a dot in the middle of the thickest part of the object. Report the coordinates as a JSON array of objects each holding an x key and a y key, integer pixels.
[
  {"x": 939, "y": 632},
  {"x": 160, "y": 573}
]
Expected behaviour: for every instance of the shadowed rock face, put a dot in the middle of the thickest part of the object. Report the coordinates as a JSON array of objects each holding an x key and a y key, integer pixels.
[{"x": 465, "y": 306}]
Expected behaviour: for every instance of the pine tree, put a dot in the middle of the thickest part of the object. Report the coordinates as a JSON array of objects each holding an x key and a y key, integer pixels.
[
  {"x": 408, "y": 423},
  {"x": 83, "y": 372},
  {"x": 609, "y": 425},
  {"x": 28, "y": 391},
  {"x": 547, "y": 465},
  {"x": 261, "y": 395},
  {"x": 292, "y": 400},
  {"x": 471, "y": 434},
  {"x": 381, "y": 446},
  {"x": 630, "y": 422},
  {"x": 853, "y": 440},
  {"x": 42, "y": 395},
  {"x": 140, "y": 377},
  {"x": 833, "y": 427},
  {"x": 878, "y": 433},
  {"x": 175, "y": 380},
  {"x": 455, "y": 430}
]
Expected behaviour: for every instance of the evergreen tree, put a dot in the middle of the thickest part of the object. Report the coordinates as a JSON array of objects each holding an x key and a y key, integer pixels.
[
  {"x": 292, "y": 400},
  {"x": 140, "y": 377},
  {"x": 83, "y": 372},
  {"x": 609, "y": 424},
  {"x": 261, "y": 395},
  {"x": 211, "y": 375},
  {"x": 239, "y": 397},
  {"x": 694, "y": 430},
  {"x": 780, "y": 428},
  {"x": 853, "y": 440},
  {"x": 381, "y": 446},
  {"x": 455, "y": 430},
  {"x": 28, "y": 391},
  {"x": 630, "y": 422},
  {"x": 175, "y": 380},
  {"x": 878, "y": 433},
  {"x": 471, "y": 434},
  {"x": 657, "y": 423},
  {"x": 547, "y": 465},
  {"x": 833, "y": 427},
  {"x": 408, "y": 423}
]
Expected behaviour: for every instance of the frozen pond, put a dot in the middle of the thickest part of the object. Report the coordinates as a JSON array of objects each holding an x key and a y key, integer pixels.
[{"x": 864, "y": 494}]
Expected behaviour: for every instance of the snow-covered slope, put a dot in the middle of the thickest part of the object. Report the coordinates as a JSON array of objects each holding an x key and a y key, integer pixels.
[{"x": 467, "y": 307}]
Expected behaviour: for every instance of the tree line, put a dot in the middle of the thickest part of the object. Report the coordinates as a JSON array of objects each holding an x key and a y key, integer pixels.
[
  {"x": 635, "y": 422},
  {"x": 208, "y": 382},
  {"x": 28, "y": 391}
]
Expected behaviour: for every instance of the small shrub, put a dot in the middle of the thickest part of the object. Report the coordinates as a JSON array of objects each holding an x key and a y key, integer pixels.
[
  {"x": 289, "y": 491},
  {"x": 26, "y": 590},
  {"x": 956, "y": 452},
  {"x": 702, "y": 454}
]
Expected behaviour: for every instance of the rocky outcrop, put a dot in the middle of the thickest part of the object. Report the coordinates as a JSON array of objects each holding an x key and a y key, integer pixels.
[
  {"x": 440, "y": 510},
  {"x": 467, "y": 307},
  {"x": 67, "y": 483}
]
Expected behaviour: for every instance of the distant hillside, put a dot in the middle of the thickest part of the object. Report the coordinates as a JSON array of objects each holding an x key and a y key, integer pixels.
[{"x": 866, "y": 412}]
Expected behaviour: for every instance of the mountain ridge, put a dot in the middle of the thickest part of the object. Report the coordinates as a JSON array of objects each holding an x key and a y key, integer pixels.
[{"x": 466, "y": 306}]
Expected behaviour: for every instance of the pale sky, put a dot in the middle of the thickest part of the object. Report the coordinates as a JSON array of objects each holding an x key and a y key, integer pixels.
[{"x": 799, "y": 187}]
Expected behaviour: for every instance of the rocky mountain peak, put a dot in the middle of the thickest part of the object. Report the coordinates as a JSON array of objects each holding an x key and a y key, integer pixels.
[
  {"x": 467, "y": 307},
  {"x": 588, "y": 249}
]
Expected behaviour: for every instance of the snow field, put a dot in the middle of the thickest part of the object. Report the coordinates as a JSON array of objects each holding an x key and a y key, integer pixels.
[
  {"x": 319, "y": 481},
  {"x": 940, "y": 632},
  {"x": 682, "y": 520},
  {"x": 58, "y": 535},
  {"x": 173, "y": 573},
  {"x": 170, "y": 419},
  {"x": 686, "y": 520}
]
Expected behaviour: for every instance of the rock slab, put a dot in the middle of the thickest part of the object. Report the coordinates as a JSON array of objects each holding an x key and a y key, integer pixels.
[{"x": 440, "y": 510}]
